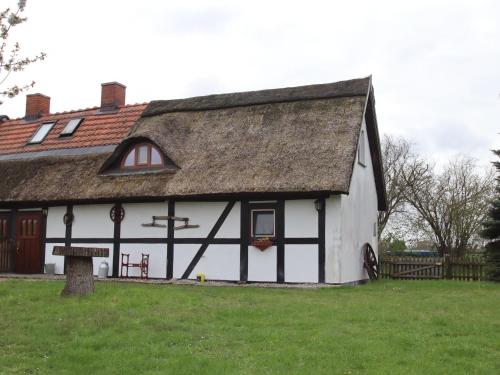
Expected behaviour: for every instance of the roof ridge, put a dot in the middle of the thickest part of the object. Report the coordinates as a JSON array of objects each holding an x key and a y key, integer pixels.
[
  {"x": 346, "y": 88},
  {"x": 82, "y": 110}
]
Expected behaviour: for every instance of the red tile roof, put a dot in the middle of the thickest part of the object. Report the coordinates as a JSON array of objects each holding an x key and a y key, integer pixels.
[{"x": 97, "y": 129}]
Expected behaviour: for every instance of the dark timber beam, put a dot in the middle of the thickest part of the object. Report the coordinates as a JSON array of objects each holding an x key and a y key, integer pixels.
[
  {"x": 69, "y": 228},
  {"x": 170, "y": 237},
  {"x": 116, "y": 239},
  {"x": 280, "y": 231},
  {"x": 245, "y": 236},
  {"x": 321, "y": 244}
]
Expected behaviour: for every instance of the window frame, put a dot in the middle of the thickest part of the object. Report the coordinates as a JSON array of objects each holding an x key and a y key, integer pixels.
[
  {"x": 253, "y": 211},
  {"x": 137, "y": 165},
  {"x": 362, "y": 148},
  {"x": 52, "y": 123}
]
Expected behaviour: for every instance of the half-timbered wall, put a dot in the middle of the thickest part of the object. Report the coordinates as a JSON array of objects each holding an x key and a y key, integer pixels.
[{"x": 219, "y": 258}]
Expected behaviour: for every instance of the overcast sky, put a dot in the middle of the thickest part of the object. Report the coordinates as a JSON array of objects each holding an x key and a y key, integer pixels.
[{"x": 435, "y": 64}]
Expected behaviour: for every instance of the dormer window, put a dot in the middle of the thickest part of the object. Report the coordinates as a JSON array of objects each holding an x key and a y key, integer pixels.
[
  {"x": 143, "y": 156},
  {"x": 41, "y": 133},
  {"x": 71, "y": 127}
]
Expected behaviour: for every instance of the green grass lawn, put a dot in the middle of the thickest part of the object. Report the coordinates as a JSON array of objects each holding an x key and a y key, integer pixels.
[{"x": 388, "y": 327}]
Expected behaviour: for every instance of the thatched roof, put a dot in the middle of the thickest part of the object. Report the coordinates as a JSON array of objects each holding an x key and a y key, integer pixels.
[{"x": 293, "y": 140}]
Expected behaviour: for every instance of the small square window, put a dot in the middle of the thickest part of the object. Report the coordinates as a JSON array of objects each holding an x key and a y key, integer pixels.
[
  {"x": 70, "y": 127},
  {"x": 263, "y": 223},
  {"x": 41, "y": 133},
  {"x": 361, "y": 148}
]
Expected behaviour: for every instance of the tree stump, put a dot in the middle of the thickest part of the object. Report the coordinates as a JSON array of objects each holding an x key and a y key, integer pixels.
[
  {"x": 79, "y": 276},
  {"x": 79, "y": 268}
]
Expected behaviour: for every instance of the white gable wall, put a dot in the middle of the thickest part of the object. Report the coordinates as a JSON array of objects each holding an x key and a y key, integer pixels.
[
  {"x": 359, "y": 218},
  {"x": 333, "y": 240}
]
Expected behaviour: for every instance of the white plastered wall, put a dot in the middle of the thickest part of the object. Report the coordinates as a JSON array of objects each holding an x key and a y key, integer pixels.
[
  {"x": 183, "y": 254},
  {"x": 137, "y": 214},
  {"x": 55, "y": 225},
  {"x": 301, "y": 261},
  {"x": 301, "y": 218},
  {"x": 204, "y": 214},
  {"x": 231, "y": 226},
  {"x": 55, "y": 229},
  {"x": 157, "y": 258},
  {"x": 56, "y": 259},
  {"x": 92, "y": 221},
  {"x": 262, "y": 265},
  {"x": 219, "y": 262},
  {"x": 350, "y": 223}
]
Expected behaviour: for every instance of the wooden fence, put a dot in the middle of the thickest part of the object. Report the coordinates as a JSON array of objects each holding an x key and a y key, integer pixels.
[
  {"x": 7, "y": 248},
  {"x": 416, "y": 268}
]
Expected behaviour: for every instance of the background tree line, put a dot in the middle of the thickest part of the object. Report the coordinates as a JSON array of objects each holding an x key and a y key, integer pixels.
[{"x": 443, "y": 208}]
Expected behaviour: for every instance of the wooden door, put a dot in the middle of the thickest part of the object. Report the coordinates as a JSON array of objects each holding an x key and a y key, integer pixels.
[{"x": 28, "y": 242}]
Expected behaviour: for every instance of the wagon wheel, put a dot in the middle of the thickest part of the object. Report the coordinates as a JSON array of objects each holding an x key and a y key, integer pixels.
[
  {"x": 371, "y": 262},
  {"x": 117, "y": 214}
]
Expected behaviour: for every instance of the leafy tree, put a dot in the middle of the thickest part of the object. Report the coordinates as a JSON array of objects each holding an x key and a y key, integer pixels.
[
  {"x": 392, "y": 244},
  {"x": 491, "y": 230},
  {"x": 10, "y": 59}
]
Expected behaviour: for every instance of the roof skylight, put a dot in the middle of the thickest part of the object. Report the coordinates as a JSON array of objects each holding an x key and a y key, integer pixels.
[
  {"x": 41, "y": 132},
  {"x": 70, "y": 127}
]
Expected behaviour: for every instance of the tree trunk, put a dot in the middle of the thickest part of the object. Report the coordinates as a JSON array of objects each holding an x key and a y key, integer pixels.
[{"x": 79, "y": 276}]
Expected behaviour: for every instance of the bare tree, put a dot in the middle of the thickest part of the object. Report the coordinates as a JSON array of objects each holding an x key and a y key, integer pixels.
[
  {"x": 399, "y": 162},
  {"x": 10, "y": 59},
  {"x": 448, "y": 207}
]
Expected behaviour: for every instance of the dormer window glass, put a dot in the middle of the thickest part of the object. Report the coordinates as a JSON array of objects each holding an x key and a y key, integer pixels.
[
  {"x": 41, "y": 133},
  {"x": 130, "y": 159},
  {"x": 71, "y": 127},
  {"x": 143, "y": 156},
  {"x": 156, "y": 158}
]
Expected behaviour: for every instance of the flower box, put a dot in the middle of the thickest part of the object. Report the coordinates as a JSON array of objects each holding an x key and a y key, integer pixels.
[{"x": 262, "y": 243}]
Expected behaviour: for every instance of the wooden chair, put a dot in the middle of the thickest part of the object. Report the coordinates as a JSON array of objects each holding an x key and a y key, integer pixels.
[{"x": 143, "y": 265}]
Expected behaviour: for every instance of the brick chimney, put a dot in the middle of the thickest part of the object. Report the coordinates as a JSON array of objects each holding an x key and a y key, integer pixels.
[
  {"x": 112, "y": 95},
  {"x": 37, "y": 105}
]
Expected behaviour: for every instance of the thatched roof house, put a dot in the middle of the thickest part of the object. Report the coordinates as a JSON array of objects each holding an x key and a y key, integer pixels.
[{"x": 276, "y": 185}]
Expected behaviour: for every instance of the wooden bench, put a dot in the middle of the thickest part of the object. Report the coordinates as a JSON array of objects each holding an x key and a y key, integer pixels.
[{"x": 143, "y": 265}]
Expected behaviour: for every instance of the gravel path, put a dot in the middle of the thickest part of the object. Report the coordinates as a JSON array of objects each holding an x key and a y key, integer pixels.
[{"x": 6, "y": 276}]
